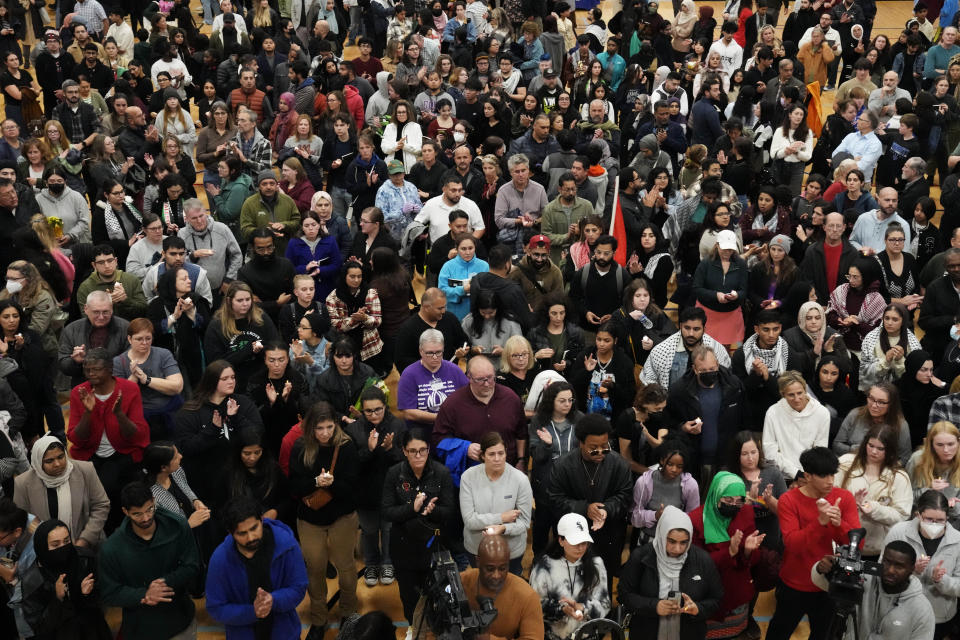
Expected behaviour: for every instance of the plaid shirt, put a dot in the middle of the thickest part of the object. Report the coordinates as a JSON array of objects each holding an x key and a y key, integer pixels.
[
  {"x": 342, "y": 322},
  {"x": 79, "y": 124},
  {"x": 92, "y": 15},
  {"x": 258, "y": 153},
  {"x": 945, "y": 408}
]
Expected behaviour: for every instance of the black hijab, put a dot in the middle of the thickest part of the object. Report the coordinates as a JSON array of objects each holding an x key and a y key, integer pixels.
[
  {"x": 167, "y": 289},
  {"x": 56, "y": 562},
  {"x": 917, "y": 397}
]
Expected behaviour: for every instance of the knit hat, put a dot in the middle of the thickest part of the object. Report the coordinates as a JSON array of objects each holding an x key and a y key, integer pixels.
[
  {"x": 782, "y": 241},
  {"x": 170, "y": 92},
  {"x": 266, "y": 174}
]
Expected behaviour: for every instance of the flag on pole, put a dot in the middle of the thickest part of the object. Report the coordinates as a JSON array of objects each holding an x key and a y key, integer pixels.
[{"x": 617, "y": 228}]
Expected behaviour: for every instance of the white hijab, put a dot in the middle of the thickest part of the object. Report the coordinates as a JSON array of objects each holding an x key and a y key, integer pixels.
[
  {"x": 802, "y": 320},
  {"x": 669, "y": 567},
  {"x": 61, "y": 483}
]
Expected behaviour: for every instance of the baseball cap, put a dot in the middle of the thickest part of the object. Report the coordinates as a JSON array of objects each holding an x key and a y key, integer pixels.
[
  {"x": 727, "y": 239},
  {"x": 51, "y": 35},
  {"x": 539, "y": 240},
  {"x": 574, "y": 528},
  {"x": 395, "y": 166},
  {"x": 550, "y": 73}
]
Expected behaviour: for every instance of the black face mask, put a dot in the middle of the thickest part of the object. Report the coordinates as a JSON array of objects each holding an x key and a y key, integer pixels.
[
  {"x": 709, "y": 378},
  {"x": 56, "y": 189},
  {"x": 268, "y": 258},
  {"x": 654, "y": 415},
  {"x": 61, "y": 559},
  {"x": 437, "y": 12},
  {"x": 728, "y": 510}
]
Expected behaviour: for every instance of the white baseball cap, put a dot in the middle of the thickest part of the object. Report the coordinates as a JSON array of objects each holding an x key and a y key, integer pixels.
[
  {"x": 574, "y": 528},
  {"x": 727, "y": 239}
]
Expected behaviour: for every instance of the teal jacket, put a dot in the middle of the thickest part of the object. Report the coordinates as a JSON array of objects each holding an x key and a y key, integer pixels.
[
  {"x": 228, "y": 203},
  {"x": 128, "y": 564}
]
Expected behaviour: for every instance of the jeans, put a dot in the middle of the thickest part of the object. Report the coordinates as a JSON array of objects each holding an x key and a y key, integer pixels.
[
  {"x": 374, "y": 536},
  {"x": 211, "y": 9},
  {"x": 791, "y": 173},
  {"x": 341, "y": 201},
  {"x": 356, "y": 24}
]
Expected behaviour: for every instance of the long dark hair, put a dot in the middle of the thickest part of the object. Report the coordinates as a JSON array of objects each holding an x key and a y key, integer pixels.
[
  {"x": 652, "y": 175},
  {"x": 207, "y": 385},
  {"x": 889, "y": 437},
  {"x": 549, "y": 396},
  {"x": 387, "y": 273},
  {"x": 266, "y": 469},
  {"x": 802, "y": 129},
  {"x": 736, "y": 447},
  {"x": 587, "y": 570},
  {"x": 894, "y": 416},
  {"x": 904, "y": 332},
  {"x": 488, "y": 299}
]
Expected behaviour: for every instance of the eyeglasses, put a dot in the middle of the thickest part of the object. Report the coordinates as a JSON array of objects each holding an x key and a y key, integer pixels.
[
  {"x": 877, "y": 401},
  {"x": 599, "y": 452},
  {"x": 416, "y": 453},
  {"x": 896, "y": 240},
  {"x": 117, "y": 193},
  {"x": 149, "y": 511},
  {"x": 433, "y": 354},
  {"x": 483, "y": 380},
  {"x": 934, "y": 520},
  {"x": 518, "y": 356},
  {"x": 372, "y": 412},
  {"x": 104, "y": 262}
]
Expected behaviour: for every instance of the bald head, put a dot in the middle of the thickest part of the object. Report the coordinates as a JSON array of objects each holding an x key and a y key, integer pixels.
[
  {"x": 887, "y": 199},
  {"x": 493, "y": 563},
  {"x": 492, "y": 548}
]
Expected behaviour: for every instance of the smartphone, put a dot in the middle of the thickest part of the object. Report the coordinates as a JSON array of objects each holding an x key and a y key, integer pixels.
[{"x": 676, "y": 596}]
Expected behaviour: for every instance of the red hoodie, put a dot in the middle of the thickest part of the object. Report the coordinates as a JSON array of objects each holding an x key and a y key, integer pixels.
[{"x": 354, "y": 105}]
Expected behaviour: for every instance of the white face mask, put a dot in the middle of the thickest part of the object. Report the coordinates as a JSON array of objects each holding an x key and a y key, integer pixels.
[
  {"x": 458, "y": 137},
  {"x": 932, "y": 530},
  {"x": 13, "y": 287}
]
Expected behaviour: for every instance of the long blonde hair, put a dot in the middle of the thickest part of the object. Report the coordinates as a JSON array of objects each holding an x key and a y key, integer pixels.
[
  {"x": 317, "y": 413},
  {"x": 228, "y": 322},
  {"x": 923, "y": 473},
  {"x": 261, "y": 15},
  {"x": 48, "y": 148},
  {"x": 167, "y": 115}
]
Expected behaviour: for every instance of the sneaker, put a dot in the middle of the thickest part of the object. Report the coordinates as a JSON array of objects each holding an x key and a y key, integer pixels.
[
  {"x": 830, "y": 87},
  {"x": 371, "y": 575},
  {"x": 386, "y": 574}
]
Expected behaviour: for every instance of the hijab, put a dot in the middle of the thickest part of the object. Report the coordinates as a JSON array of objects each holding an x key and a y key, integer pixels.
[
  {"x": 167, "y": 289},
  {"x": 706, "y": 17},
  {"x": 668, "y": 568},
  {"x": 59, "y": 561},
  {"x": 687, "y": 14},
  {"x": 724, "y": 484},
  {"x": 36, "y": 461},
  {"x": 801, "y": 320}
]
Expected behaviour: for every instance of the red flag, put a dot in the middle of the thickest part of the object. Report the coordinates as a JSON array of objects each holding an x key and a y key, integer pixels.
[{"x": 617, "y": 228}]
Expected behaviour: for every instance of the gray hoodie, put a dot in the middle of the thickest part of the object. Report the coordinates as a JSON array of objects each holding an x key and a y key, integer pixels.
[
  {"x": 379, "y": 104},
  {"x": 892, "y": 616},
  {"x": 72, "y": 209},
  {"x": 942, "y": 595}
]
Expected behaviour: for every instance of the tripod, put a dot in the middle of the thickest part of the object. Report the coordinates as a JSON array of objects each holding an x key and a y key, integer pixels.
[{"x": 838, "y": 625}]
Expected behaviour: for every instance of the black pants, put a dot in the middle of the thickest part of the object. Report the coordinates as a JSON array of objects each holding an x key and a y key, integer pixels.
[
  {"x": 411, "y": 583},
  {"x": 791, "y": 607},
  {"x": 544, "y": 521},
  {"x": 114, "y": 473}
]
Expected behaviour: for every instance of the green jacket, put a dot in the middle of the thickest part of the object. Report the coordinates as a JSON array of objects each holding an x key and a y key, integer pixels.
[
  {"x": 256, "y": 214},
  {"x": 128, "y": 564},
  {"x": 135, "y": 306},
  {"x": 554, "y": 224},
  {"x": 227, "y": 203}
]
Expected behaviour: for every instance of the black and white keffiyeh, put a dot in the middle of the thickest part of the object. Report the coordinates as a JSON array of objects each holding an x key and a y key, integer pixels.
[{"x": 775, "y": 359}]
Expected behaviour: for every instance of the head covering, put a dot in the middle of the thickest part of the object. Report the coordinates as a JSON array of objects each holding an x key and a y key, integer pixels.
[
  {"x": 538, "y": 241},
  {"x": 266, "y": 174},
  {"x": 574, "y": 528},
  {"x": 801, "y": 320},
  {"x": 170, "y": 92},
  {"x": 727, "y": 239},
  {"x": 668, "y": 568},
  {"x": 51, "y": 35},
  {"x": 725, "y": 484},
  {"x": 287, "y": 98},
  {"x": 916, "y": 393},
  {"x": 687, "y": 15},
  {"x": 782, "y": 241},
  {"x": 36, "y": 461},
  {"x": 56, "y": 563},
  {"x": 706, "y": 15},
  {"x": 394, "y": 167}
]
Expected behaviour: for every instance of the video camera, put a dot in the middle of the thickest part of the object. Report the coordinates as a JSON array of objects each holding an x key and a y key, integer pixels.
[
  {"x": 846, "y": 577},
  {"x": 446, "y": 607}
]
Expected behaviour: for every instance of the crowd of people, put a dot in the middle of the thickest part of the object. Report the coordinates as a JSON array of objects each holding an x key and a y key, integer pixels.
[{"x": 500, "y": 206}]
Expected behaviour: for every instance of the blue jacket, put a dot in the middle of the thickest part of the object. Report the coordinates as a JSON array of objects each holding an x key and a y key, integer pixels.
[
  {"x": 298, "y": 252},
  {"x": 865, "y": 202},
  {"x": 453, "y": 453},
  {"x": 452, "y": 25},
  {"x": 617, "y": 66},
  {"x": 458, "y": 303},
  {"x": 228, "y": 594}
]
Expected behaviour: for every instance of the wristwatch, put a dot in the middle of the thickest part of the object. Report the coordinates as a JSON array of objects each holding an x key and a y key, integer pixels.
[{"x": 149, "y": 380}]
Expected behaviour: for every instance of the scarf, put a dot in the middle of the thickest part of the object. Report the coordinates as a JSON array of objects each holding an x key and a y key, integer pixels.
[
  {"x": 915, "y": 236},
  {"x": 374, "y": 159},
  {"x": 62, "y": 560},
  {"x": 114, "y": 228},
  {"x": 686, "y": 15},
  {"x": 651, "y": 267},
  {"x": 775, "y": 359},
  {"x": 801, "y": 321},
  {"x": 668, "y": 568},
  {"x": 724, "y": 485},
  {"x": 770, "y": 225},
  {"x": 580, "y": 253},
  {"x": 39, "y": 450}
]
